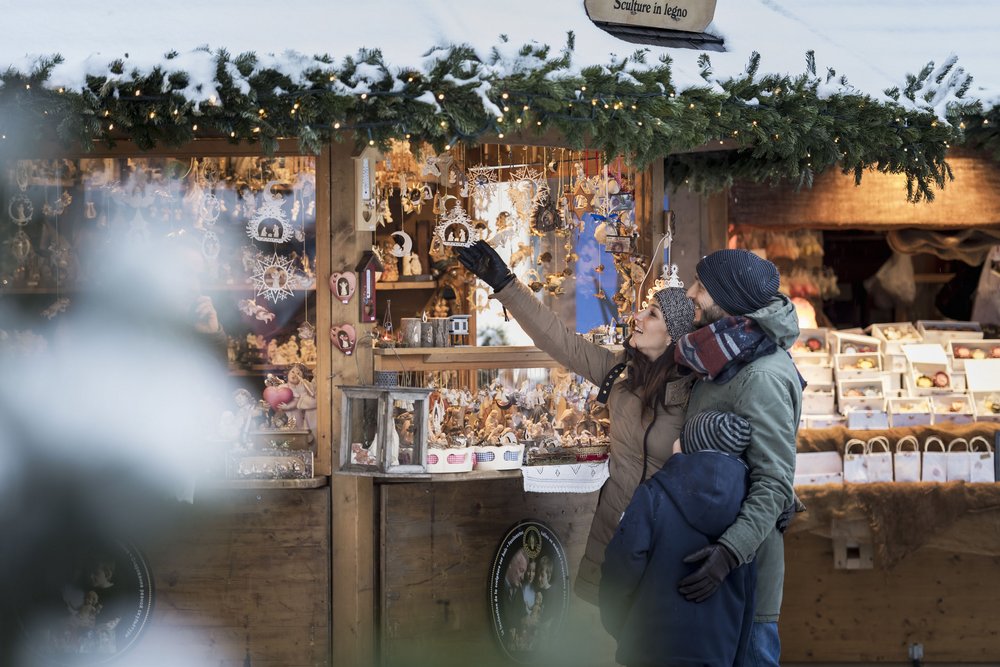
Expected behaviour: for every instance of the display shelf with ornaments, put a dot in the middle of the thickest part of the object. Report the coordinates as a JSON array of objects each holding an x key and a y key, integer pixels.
[{"x": 962, "y": 350}]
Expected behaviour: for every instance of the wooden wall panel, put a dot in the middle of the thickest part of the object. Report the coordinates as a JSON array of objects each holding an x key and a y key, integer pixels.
[
  {"x": 245, "y": 580},
  {"x": 943, "y": 600},
  {"x": 439, "y": 542},
  {"x": 879, "y": 202}
]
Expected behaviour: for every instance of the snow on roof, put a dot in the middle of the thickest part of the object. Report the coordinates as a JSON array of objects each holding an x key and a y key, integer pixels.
[{"x": 874, "y": 47}]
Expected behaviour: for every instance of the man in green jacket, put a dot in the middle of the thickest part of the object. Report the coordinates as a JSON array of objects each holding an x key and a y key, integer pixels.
[{"x": 739, "y": 354}]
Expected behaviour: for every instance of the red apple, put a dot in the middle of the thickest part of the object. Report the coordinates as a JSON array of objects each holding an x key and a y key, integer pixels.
[{"x": 275, "y": 396}]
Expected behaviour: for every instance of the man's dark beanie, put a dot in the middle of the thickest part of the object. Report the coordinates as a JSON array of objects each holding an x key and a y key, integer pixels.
[{"x": 738, "y": 281}]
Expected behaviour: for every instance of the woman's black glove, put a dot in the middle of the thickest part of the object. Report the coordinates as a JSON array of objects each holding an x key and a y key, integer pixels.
[
  {"x": 483, "y": 260},
  {"x": 703, "y": 582}
]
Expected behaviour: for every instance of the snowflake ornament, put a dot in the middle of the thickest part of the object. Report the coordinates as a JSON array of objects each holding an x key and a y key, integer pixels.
[
  {"x": 482, "y": 182},
  {"x": 272, "y": 277}
]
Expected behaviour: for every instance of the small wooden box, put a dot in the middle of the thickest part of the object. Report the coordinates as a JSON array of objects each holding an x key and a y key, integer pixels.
[
  {"x": 909, "y": 411},
  {"x": 895, "y": 334},
  {"x": 962, "y": 350},
  {"x": 983, "y": 378},
  {"x": 943, "y": 331}
]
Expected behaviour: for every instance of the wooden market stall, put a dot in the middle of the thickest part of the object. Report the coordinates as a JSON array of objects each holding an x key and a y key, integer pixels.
[{"x": 295, "y": 551}]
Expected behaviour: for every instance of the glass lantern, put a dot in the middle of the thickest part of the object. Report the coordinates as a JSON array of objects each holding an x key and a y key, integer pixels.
[{"x": 384, "y": 429}]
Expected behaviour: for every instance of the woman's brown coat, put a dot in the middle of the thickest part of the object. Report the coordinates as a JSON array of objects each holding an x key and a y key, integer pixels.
[{"x": 629, "y": 421}]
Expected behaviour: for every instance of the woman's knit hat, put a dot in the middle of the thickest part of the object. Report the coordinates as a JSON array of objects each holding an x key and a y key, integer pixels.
[
  {"x": 677, "y": 310},
  {"x": 738, "y": 281},
  {"x": 713, "y": 430}
]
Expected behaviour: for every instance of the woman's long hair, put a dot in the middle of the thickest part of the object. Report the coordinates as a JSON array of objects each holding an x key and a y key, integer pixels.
[{"x": 648, "y": 378}]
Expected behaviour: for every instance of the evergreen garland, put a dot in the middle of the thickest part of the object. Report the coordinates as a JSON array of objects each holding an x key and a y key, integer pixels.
[{"x": 774, "y": 127}]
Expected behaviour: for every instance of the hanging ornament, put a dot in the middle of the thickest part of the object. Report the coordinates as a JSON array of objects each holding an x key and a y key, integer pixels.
[
  {"x": 209, "y": 209},
  {"x": 307, "y": 331},
  {"x": 210, "y": 246},
  {"x": 455, "y": 228},
  {"x": 20, "y": 247},
  {"x": 482, "y": 182},
  {"x": 343, "y": 338},
  {"x": 20, "y": 209},
  {"x": 403, "y": 246},
  {"x": 269, "y": 223},
  {"x": 56, "y": 308},
  {"x": 343, "y": 285},
  {"x": 251, "y": 308},
  {"x": 272, "y": 277},
  {"x": 387, "y": 322},
  {"x": 544, "y": 214}
]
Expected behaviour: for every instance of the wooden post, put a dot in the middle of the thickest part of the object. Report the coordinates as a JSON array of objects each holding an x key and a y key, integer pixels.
[{"x": 353, "y": 547}]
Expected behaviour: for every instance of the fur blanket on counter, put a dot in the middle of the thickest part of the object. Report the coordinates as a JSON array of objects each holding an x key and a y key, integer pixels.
[{"x": 905, "y": 516}]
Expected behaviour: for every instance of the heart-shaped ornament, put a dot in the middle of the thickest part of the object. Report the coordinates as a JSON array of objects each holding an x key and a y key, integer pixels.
[
  {"x": 343, "y": 284},
  {"x": 275, "y": 396},
  {"x": 344, "y": 338}
]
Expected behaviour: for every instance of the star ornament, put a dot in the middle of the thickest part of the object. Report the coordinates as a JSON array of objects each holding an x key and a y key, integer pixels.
[{"x": 272, "y": 277}]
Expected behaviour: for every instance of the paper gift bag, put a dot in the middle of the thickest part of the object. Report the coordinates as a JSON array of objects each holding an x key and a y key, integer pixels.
[
  {"x": 959, "y": 469},
  {"x": 981, "y": 460},
  {"x": 906, "y": 463},
  {"x": 854, "y": 462},
  {"x": 934, "y": 464},
  {"x": 878, "y": 459}
]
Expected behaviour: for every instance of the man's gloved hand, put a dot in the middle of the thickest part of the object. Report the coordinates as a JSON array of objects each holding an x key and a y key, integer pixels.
[
  {"x": 703, "y": 582},
  {"x": 483, "y": 260},
  {"x": 786, "y": 516}
]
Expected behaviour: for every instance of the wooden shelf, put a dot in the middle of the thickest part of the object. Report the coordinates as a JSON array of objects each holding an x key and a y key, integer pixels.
[
  {"x": 464, "y": 358},
  {"x": 230, "y": 484},
  {"x": 460, "y": 358},
  {"x": 407, "y": 285},
  {"x": 933, "y": 278},
  {"x": 471, "y": 476}
]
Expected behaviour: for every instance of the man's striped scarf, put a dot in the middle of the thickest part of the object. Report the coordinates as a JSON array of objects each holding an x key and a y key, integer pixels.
[{"x": 720, "y": 350}]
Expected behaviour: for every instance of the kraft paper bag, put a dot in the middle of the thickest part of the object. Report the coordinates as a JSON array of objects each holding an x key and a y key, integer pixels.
[
  {"x": 934, "y": 464},
  {"x": 906, "y": 463},
  {"x": 981, "y": 464},
  {"x": 854, "y": 463},
  {"x": 959, "y": 468},
  {"x": 878, "y": 459}
]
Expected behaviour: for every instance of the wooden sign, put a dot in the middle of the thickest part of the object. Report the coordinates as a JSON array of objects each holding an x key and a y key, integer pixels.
[{"x": 682, "y": 15}]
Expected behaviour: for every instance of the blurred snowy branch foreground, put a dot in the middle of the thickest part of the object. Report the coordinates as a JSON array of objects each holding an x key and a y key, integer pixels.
[{"x": 101, "y": 442}]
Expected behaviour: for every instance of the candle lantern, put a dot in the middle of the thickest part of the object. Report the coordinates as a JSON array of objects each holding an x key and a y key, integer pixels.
[{"x": 384, "y": 429}]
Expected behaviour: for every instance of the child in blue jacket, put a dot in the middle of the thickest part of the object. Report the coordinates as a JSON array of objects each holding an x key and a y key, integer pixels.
[{"x": 684, "y": 507}]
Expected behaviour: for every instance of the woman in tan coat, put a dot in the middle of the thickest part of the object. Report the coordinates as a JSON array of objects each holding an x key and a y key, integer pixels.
[{"x": 646, "y": 394}]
